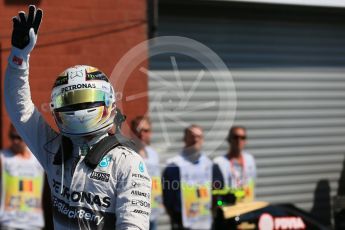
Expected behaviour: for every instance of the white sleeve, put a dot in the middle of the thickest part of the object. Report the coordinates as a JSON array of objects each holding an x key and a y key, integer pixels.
[
  {"x": 25, "y": 117},
  {"x": 133, "y": 193}
]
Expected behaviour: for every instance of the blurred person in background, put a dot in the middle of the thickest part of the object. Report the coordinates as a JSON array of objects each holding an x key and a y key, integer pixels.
[
  {"x": 238, "y": 166},
  {"x": 22, "y": 180},
  {"x": 141, "y": 128},
  {"x": 188, "y": 181}
]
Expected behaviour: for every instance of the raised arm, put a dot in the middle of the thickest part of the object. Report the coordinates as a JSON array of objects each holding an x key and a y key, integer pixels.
[{"x": 25, "y": 117}]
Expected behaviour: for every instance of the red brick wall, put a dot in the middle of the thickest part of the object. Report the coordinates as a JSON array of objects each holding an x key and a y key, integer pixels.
[{"x": 90, "y": 32}]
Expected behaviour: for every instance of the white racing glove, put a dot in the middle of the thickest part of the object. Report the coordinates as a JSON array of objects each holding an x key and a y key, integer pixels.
[{"x": 24, "y": 37}]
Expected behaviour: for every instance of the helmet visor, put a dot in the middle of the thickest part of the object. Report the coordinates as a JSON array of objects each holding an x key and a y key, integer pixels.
[{"x": 79, "y": 97}]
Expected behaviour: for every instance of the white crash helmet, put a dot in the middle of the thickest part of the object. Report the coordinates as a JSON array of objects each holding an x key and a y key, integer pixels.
[{"x": 83, "y": 101}]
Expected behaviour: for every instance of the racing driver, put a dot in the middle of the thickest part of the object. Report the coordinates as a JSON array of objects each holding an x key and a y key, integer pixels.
[{"x": 97, "y": 181}]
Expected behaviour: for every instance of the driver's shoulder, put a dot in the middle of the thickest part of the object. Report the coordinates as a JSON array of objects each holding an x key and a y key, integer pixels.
[{"x": 123, "y": 154}]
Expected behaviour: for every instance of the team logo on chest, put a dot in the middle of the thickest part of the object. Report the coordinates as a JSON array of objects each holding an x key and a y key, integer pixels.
[
  {"x": 141, "y": 167},
  {"x": 105, "y": 162}
]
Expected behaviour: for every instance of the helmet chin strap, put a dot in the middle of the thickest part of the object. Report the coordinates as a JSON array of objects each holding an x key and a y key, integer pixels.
[
  {"x": 91, "y": 137},
  {"x": 80, "y": 140}
]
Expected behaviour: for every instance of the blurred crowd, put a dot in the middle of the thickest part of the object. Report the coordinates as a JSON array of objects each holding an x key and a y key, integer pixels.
[{"x": 190, "y": 181}]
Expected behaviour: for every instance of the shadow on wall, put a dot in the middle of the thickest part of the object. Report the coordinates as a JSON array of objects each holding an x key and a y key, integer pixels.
[
  {"x": 341, "y": 183},
  {"x": 322, "y": 202},
  {"x": 339, "y": 202}
]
